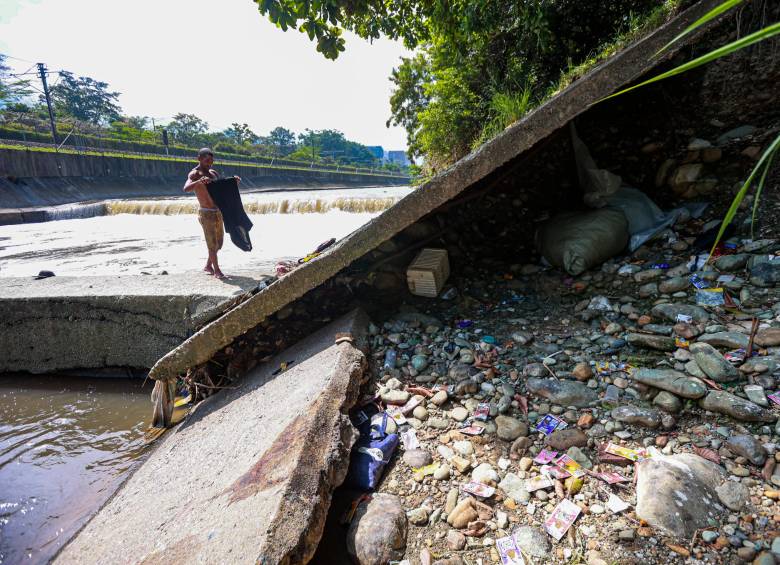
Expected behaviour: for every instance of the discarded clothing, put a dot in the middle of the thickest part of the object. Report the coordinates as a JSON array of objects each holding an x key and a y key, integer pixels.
[{"x": 226, "y": 196}]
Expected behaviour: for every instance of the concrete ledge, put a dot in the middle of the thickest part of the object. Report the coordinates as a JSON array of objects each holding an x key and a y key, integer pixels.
[
  {"x": 94, "y": 322},
  {"x": 248, "y": 477}
]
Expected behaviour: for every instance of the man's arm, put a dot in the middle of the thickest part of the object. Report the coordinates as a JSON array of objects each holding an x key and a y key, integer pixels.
[{"x": 193, "y": 179}]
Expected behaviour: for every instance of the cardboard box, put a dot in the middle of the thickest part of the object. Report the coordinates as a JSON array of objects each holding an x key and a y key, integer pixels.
[{"x": 428, "y": 272}]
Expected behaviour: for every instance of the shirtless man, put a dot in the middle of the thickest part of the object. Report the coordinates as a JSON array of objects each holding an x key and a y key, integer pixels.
[{"x": 209, "y": 216}]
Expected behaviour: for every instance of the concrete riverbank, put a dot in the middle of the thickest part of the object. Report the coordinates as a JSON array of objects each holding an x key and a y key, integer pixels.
[{"x": 63, "y": 323}]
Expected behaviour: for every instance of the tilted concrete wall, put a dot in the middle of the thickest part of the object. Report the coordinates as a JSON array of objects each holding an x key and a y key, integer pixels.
[{"x": 38, "y": 178}]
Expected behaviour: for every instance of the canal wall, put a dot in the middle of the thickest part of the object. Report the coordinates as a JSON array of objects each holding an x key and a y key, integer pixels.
[{"x": 32, "y": 178}]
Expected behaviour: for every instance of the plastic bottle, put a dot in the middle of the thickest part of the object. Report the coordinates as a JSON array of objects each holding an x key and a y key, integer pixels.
[{"x": 390, "y": 358}]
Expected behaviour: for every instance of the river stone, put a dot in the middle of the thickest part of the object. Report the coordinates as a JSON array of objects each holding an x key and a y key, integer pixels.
[
  {"x": 417, "y": 458},
  {"x": 509, "y": 429},
  {"x": 419, "y": 516},
  {"x": 514, "y": 487},
  {"x": 670, "y": 312},
  {"x": 732, "y": 262},
  {"x": 561, "y": 440},
  {"x": 765, "y": 274},
  {"x": 565, "y": 393},
  {"x": 459, "y": 413},
  {"x": 768, "y": 337},
  {"x": 419, "y": 362},
  {"x": 734, "y": 495},
  {"x": 756, "y": 393},
  {"x": 748, "y": 447},
  {"x": 377, "y": 533},
  {"x": 671, "y": 381},
  {"x": 723, "y": 402},
  {"x": 440, "y": 397},
  {"x": 713, "y": 364},
  {"x": 636, "y": 415},
  {"x": 532, "y": 541},
  {"x": 677, "y": 495},
  {"x": 459, "y": 371},
  {"x": 675, "y": 284},
  {"x": 463, "y": 513},
  {"x": 668, "y": 402},
  {"x": 484, "y": 474},
  {"x": 397, "y": 397},
  {"x": 692, "y": 368},
  {"x": 652, "y": 341},
  {"x": 731, "y": 340}
]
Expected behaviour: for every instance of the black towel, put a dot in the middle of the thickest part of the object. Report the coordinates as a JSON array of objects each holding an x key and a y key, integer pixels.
[{"x": 224, "y": 193}]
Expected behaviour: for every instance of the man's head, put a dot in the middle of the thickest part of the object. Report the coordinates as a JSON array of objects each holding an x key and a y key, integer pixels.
[{"x": 206, "y": 157}]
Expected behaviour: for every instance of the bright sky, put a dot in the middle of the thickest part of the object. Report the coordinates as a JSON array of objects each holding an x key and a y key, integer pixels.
[{"x": 222, "y": 61}]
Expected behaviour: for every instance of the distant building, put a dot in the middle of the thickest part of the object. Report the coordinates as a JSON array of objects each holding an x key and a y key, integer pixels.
[
  {"x": 377, "y": 151},
  {"x": 398, "y": 157}
]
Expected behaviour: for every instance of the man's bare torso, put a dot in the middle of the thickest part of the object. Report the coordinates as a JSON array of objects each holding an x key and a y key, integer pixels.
[{"x": 202, "y": 193}]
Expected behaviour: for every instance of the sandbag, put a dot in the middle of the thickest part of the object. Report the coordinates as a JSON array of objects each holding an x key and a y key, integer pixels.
[{"x": 577, "y": 241}]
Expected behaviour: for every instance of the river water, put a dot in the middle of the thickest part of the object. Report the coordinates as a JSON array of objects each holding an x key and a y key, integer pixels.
[
  {"x": 153, "y": 235},
  {"x": 66, "y": 443}
]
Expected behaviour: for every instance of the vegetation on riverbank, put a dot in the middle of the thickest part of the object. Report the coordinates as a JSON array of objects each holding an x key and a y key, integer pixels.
[{"x": 87, "y": 114}]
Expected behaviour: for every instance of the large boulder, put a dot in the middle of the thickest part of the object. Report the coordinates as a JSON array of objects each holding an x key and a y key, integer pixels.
[
  {"x": 678, "y": 494},
  {"x": 565, "y": 393},
  {"x": 713, "y": 363},
  {"x": 723, "y": 402},
  {"x": 671, "y": 381},
  {"x": 377, "y": 533}
]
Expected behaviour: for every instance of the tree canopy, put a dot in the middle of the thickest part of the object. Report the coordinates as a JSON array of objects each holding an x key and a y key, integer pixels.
[{"x": 85, "y": 99}]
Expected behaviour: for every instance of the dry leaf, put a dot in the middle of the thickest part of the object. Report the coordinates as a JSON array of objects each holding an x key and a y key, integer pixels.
[
  {"x": 708, "y": 454},
  {"x": 679, "y": 549}
]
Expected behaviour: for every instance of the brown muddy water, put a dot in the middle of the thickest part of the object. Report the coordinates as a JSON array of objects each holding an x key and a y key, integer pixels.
[{"x": 66, "y": 444}]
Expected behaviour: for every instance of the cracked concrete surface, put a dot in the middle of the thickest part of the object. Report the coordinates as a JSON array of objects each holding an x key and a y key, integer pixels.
[
  {"x": 248, "y": 477},
  {"x": 63, "y": 323}
]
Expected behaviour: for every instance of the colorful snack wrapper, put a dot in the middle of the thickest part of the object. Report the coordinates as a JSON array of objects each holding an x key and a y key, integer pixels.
[
  {"x": 561, "y": 519},
  {"x": 507, "y": 550},
  {"x": 698, "y": 282},
  {"x": 628, "y": 453},
  {"x": 554, "y": 472},
  {"x": 735, "y": 356},
  {"x": 570, "y": 465},
  {"x": 546, "y": 456},
  {"x": 471, "y": 430},
  {"x": 774, "y": 397},
  {"x": 685, "y": 318},
  {"x": 482, "y": 412},
  {"x": 611, "y": 478},
  {"x": 682, "y": 342},
  {"x": 537, "y": 483},
  {"x": 479, "y": 489},
  {"x": 421, "y": 472},
  {"x": 710, "y": 297},
  {"x": 549, "y": 424}
]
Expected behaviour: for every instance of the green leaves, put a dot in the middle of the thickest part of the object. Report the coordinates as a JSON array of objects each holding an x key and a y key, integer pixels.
[
  {"x": 728, "y": 49},
  {"x": 714, "y": 13},
  {"x": 765, "y": 162}
]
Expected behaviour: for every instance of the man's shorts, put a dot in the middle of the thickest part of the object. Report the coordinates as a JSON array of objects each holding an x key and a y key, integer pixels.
[{"x": 213, "y": 229}]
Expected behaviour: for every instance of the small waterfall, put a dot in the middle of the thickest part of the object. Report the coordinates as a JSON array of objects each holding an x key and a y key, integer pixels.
[
  {"x": 76, "y": 211},
  {"x": 285, "y": 206}
]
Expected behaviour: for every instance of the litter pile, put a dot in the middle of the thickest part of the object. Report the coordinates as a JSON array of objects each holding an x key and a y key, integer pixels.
[{"x": 627, "y": 415}]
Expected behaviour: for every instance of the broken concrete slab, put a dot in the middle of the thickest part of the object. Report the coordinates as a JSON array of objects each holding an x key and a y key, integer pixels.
[
  {"x": 629, "y": 64},
  {"x": 248, "y": 477},
  {"x": 61, "y": 323}
]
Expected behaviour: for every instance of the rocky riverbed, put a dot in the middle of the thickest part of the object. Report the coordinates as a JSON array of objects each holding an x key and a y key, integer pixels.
[{"x": 633, "y": 394}]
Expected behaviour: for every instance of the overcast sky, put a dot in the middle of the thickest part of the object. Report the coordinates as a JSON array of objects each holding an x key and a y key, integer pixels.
[{"x": 221, "y": 60}]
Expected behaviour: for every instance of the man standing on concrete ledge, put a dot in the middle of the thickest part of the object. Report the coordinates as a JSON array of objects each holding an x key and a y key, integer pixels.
[{"x": 209, "y": 215}]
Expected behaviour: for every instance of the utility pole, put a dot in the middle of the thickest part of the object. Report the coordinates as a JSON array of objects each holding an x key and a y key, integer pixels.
[{"x": 42, "y": 72}]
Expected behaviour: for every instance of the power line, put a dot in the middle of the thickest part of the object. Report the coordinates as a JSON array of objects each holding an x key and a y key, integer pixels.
[{"x": 7, "y": 56}]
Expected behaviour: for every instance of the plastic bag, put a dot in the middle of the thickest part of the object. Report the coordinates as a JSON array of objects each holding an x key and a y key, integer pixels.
[{"x": 577, "y": 241}]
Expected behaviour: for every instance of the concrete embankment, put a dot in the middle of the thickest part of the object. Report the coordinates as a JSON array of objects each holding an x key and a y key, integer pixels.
[
  {"x": 36, "y": 179},
  {"x": 248, "y": 477},
  {"x": 64, "y": 323}
]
